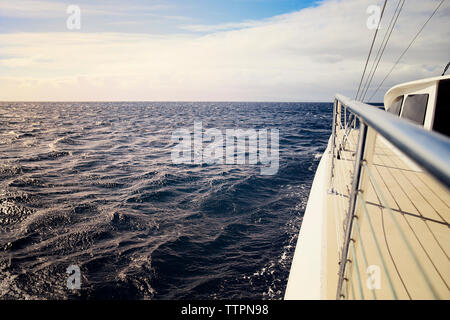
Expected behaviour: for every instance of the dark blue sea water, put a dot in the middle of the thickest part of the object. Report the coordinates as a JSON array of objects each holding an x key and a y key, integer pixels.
[{"x": 93, "y": 185}]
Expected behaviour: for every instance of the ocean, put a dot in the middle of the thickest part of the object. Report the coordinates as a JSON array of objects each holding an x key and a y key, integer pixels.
[{"x": 92, "y": 185}]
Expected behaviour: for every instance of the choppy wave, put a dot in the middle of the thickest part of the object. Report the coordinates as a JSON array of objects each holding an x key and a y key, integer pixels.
[{"x": 93, "y": 185}]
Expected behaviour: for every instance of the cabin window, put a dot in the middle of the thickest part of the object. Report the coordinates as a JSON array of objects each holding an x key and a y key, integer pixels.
[
  {"x": 396, "y": 106},
  {"x": 415, "y": 108},
  {"x": 442, "y": 111}
]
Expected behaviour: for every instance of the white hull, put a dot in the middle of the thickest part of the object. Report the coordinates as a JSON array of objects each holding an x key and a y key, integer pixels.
[{"x": 307, "y": 278}]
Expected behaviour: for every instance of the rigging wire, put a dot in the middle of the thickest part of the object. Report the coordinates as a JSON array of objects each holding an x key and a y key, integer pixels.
[
  {"x": 382, "y": 47},
  {"x": 445, "y": 69},
  {"x": 370, "y": 50},
  {"x": 407, "y": 48}
]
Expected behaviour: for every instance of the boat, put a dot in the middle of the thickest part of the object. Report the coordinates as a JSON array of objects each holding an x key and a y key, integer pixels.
[{"x": 376, "y": 225}]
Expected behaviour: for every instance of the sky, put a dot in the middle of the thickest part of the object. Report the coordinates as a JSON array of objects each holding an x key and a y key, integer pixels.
[{"x": 208, "y": 50}]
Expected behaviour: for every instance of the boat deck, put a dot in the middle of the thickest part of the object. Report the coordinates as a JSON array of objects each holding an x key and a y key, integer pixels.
[{"x": 404, "y": 257}]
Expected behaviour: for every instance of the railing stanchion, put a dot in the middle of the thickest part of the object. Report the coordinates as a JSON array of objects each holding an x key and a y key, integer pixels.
[
  {"x": 333, "y": 143},
  {"x": 352, "y": 203}
]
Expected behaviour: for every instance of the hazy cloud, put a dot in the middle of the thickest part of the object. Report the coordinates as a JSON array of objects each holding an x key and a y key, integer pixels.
[{"x": 52, "y": 9}]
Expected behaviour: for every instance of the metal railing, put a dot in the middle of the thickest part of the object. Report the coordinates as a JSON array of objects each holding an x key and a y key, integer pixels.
[{"x": 364, "y": 239}]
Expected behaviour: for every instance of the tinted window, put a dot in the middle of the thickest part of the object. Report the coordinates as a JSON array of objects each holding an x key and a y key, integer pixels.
[
  {"x": 396, "y": 106},
  {"x": 442, "y": 112},
  {"x": 415, "y": 107}
]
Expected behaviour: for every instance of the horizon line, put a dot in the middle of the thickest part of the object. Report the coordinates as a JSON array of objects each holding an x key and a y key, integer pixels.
[{"x": 201, "y": 101}]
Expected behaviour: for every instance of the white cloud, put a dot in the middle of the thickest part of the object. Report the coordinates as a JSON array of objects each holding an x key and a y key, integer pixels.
[
  {"x": 222, "y": 26},
  {"x": 306, "y": 56},
  {"x": 30, "y": 8},
  {"x": 57, "y": 9}
]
